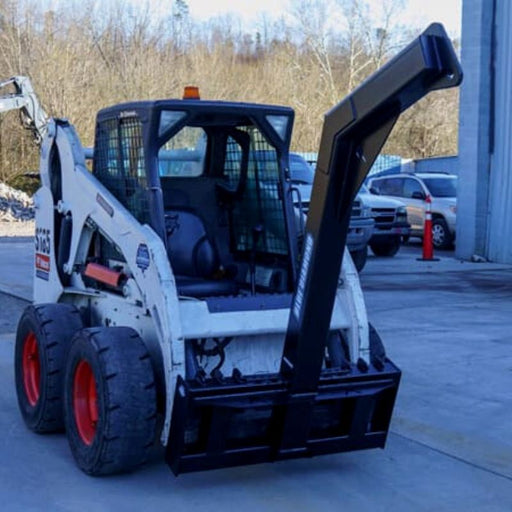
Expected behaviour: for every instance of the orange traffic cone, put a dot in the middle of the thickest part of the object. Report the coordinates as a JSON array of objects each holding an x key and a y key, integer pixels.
[{"x": 428, "y": 246}]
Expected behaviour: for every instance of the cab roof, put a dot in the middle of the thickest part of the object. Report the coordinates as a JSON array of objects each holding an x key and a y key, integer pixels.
[{"x": 236, "y": 109}]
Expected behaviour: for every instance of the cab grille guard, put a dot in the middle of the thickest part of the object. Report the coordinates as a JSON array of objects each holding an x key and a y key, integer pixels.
[{"x": 304, "y": 410}]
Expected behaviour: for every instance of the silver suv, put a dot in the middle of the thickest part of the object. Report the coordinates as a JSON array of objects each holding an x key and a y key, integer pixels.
[{"x": 412, "y": 190}]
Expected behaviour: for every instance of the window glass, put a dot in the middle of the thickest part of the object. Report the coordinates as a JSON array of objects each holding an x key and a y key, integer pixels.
[
  {"x": 390, "y": 186},
  {"x": 262, "y": 204},
  {"x": 120, "y": 165},
  {"x": 442, "y": 187},
  {"x": 183, "y": 154},
  {"x": 280, "y": 124},
  {"x": 301, "y": 172},
  {"x": 168, "y": 118},
  {"x": 232, "y": 164},
  {"x": 411, "y": 186}
]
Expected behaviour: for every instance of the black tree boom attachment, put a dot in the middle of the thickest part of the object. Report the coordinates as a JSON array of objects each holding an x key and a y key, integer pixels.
[{"x": 305, "y": 410}]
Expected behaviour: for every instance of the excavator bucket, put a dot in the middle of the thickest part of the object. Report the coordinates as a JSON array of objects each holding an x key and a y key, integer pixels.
[{"x": 306, "y": 409}]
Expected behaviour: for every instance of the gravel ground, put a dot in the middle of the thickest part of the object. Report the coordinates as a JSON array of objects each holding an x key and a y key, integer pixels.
[{"x": 21, "y": 228}]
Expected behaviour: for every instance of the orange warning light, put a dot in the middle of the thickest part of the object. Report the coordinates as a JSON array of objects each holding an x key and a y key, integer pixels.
[{"x": 191, "y": 92}]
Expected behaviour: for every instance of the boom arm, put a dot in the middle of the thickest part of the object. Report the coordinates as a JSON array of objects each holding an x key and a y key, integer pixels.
[
  {"x": 354, "y": 132},
  {"x": 25, "y": 100}
]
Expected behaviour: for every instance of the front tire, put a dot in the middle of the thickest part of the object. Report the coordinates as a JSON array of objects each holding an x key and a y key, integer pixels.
[
  {"x": 441, "y": 237},
  {"x": 110, "y": 400},
  {"x": 43, "y": 338},
  {"x": 388, "y": 248}
]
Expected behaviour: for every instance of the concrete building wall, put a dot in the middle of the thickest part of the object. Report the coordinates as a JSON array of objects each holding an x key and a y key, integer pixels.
[
  {"x": 500, "y": 186},
  {"x": 474, "y": 128},
  {"x": 449, "y": 164},
  {"x": 484, "y": 208}
]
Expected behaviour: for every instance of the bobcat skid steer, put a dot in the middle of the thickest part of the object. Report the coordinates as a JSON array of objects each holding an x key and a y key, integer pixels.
[{"x": 178, "y": 293}]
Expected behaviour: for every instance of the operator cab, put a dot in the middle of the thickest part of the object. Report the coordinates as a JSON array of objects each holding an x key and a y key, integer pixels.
[{"x": 211, "y": 179}]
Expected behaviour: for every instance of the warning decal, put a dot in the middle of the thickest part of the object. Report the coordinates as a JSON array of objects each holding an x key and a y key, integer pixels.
[
  {"x": 42, "y": 266},
  {"x": 43, "y": 245}
]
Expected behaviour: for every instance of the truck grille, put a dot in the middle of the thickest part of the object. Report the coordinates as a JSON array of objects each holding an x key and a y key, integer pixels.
[
  {"x": 356, "y": 208},
  {"x": 384, "y": 217}
]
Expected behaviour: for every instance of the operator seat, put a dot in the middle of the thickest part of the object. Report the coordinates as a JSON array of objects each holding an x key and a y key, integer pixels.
[{"x": 194, "y": 257}]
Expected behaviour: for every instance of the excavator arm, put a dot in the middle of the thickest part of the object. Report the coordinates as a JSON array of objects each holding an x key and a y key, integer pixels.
[{"x": 24, "y": 99}]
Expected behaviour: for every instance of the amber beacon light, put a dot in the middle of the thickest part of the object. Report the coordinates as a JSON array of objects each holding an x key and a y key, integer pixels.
[{"x": 191, "y": 92}]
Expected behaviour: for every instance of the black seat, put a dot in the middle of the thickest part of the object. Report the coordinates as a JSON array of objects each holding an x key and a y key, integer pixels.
[{"x": 194, "y": 257}]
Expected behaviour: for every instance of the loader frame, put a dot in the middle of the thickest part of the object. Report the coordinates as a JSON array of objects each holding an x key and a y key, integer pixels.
[{"x": 332, "y": 389}]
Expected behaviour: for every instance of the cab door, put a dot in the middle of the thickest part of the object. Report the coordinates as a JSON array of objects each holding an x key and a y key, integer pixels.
[{"x": 414, "y": 196}]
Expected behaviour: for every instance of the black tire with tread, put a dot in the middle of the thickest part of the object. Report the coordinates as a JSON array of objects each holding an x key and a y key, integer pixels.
[
  {"x": 54, "y": 326},
  {"x": 126, "y": 400},
  {"x": 447, "y": 241},
  {"x": 387, "y": 249}
]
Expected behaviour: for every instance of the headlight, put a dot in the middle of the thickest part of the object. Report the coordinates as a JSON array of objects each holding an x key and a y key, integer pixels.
[
  {"x": 401, "y": 212},
  {"x": 453, "y": 209},
  {"x": 366, "y": 211}
]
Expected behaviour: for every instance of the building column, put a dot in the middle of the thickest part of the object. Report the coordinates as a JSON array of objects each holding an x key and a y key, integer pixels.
[
  {"x": 500, "y": 191},
  {"x": 475, "y": 128}
]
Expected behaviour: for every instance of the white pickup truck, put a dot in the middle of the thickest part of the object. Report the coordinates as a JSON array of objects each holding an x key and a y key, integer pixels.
[
  {"x": 361, "y": 223},
  {"x": 380, "y": 222},
  {"x": 391, "y": 223}
]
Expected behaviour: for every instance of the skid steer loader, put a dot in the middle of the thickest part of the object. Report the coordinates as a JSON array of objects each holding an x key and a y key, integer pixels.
[{"x": 178, "y": 282}]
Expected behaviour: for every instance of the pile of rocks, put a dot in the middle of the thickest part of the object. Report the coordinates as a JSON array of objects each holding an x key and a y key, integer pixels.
[{"x": 15, "y": 205}]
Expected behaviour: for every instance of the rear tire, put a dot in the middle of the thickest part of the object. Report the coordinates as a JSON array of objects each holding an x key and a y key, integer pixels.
[
  {"x": 110, "y": 400},
  {"x": 388, "y": 248},
  {"x": 42, "y": 341}
]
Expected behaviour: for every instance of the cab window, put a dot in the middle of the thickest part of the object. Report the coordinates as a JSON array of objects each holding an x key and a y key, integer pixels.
[
  {"x": 411, "y": 186},
  {"x": 183, "y": 155}
]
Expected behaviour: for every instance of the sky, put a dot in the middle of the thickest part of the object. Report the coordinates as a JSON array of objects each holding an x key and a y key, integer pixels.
[{"x": 418, "y": 13}]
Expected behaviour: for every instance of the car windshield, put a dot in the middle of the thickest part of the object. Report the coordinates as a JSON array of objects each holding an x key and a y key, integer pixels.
[
  {"x": 301, "y": 172},
  {"x": 442, "y": 187}
]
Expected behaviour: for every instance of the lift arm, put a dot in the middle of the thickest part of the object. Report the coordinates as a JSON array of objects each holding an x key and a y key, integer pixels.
[
  {"x": 354, "y": 132},
  {"x": 24, "y": 99}
]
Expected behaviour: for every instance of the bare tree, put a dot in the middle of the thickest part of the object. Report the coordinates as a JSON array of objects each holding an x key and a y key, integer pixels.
[{"x": 85, "y": 57}]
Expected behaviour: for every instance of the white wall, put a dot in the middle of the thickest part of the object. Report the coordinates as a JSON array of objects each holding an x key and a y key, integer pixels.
[
  {"x": 474, "y": 128},
  {"x": 500, "y": 190},
  {"x": 484, "y": 208}
]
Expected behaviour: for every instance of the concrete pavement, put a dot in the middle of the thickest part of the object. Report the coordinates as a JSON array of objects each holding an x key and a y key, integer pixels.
[
  {"x": 448, "y": 327},
  {"x": 17, "y": 266}
]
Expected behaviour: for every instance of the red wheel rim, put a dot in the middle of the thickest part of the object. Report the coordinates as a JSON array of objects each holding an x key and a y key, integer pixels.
[
  {"x": 85, "y": 402},
  {"x": 31, "y": 369}
]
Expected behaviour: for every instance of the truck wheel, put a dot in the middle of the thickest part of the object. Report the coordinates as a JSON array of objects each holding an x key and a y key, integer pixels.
[
  {"x": 441, "y": 238},
  {"x": 388, "y": 248},
  {"x": 109, "y": 400},
  {"x": 359, "y": 258},
  {"x": 42, "y": 341}
]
